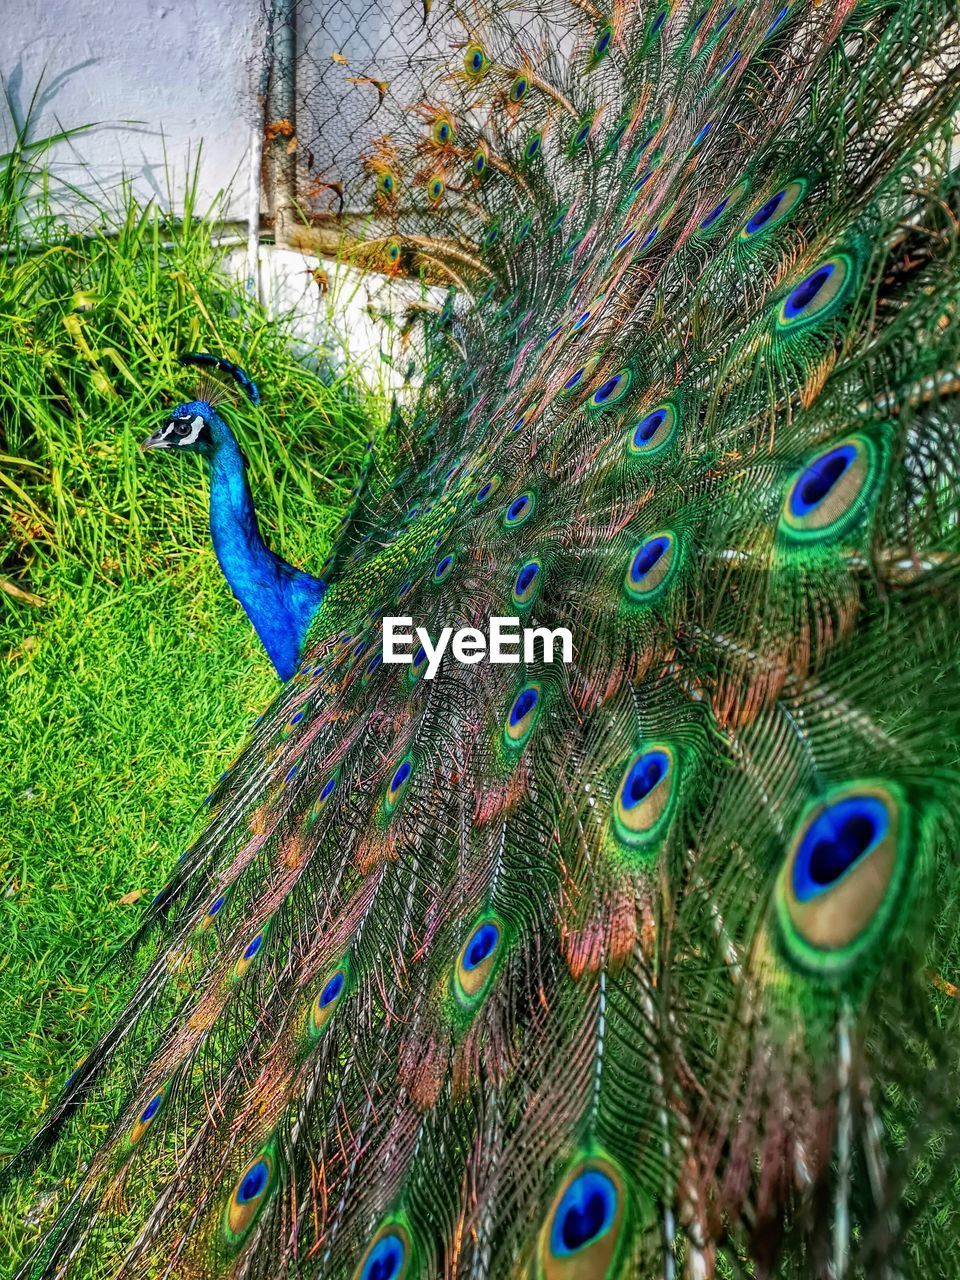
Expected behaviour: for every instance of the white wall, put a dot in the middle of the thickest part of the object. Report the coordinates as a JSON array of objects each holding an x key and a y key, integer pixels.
[{"x": 185, "y": 68}]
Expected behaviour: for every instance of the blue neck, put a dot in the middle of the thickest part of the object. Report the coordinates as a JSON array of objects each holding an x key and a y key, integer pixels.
[{"x": 279, "y": 600}]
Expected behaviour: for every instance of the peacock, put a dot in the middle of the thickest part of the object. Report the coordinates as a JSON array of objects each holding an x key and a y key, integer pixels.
[{"x": 643, "y": 964}]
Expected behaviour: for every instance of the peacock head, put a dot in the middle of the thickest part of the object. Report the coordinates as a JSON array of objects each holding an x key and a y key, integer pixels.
[{"x": 195, "y": 427}]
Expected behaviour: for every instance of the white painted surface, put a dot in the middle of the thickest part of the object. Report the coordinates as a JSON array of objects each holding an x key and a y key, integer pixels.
[
  {"x": 184, "y": 68},
  {"x": 350, "y": 312}
]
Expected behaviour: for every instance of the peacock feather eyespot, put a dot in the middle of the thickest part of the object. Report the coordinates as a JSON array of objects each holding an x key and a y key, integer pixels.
[
  {"x": 393, "y": 257},
  {"x": 559, "y": 219},
  {"x": 250, "y": 1193},
  {"x": 730, "y": 63},
  {"x": 444, "y": 569},
  {"x": 398, "y": 782},
  {"x": 479, "y": 161},
  {"x": 418, "y": 665},
  {"x": 211, "y": 913},
  {"x": 714, "y": 215},
  {"x": 386, "y": 185},
  {"x": 388, "y": 1255},
  {"x": 435, "y": 188},
  {"x": 522, "y": 231},
  {"x": 624, "y": 242},
  {"x": 777, "y": 21},
  {"x": 724, "y": 20},
  {"x": 477, "y": 960},
  {"x": 443, "y": 131},
  {"x": 326, "y": 791},
  {"x": 580, "y": 135},
  {"x": 575, "y": 378},
  {"x": 520, "y": 510},
  {"x": 833, "y": 492},
  {"x": 601, "y": 46},
  {"x": 582, "y": 1233},
  {"x": 654, "y": 433},
  {"x": 328, "y": 998},
  {"x": 486, "y": 491},
  {"x": 819, "y": 294},
  {"x": 475, "y": 61},
  {"x": 845, "y": 885},
  {"x": 490, "y": 236},
  {"x": 702, "y": 136},
  {"x": 611, "y": 391},
  {"x": 652, "y": 568},
  {"x": 615, "y": 136},
  {"x": 774, "y": 210},
  {"x": 147, "y": 1116},
  {"x": 371, "y": 667},
  {"x": 250, "y": 953},
  {"x": 646, "y": 797},
  {"x": 519, "y": 89},
  {"x": 523, "y": 716},
  {"x": 533, "y": 147},
  {"x": 526, "y": 586}
]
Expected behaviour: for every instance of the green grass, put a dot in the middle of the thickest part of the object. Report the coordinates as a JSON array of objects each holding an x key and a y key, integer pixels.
[{"x": 128, "y": 674}]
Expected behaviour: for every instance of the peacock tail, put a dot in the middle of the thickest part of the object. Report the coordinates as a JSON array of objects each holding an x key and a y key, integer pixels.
[{"x": 640, "y": 965}]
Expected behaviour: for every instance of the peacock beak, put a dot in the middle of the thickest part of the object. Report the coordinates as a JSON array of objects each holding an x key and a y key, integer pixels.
[{"x": 159, "y": 440}]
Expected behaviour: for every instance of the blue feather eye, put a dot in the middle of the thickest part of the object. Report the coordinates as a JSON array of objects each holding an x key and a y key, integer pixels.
[
  {"x": 532, "y": 149},
  {"x": 522, "y": 717},
  {"x": 518, "y": 90},
  {"x": 519, "y": 510},
  {"x": 601, "y": 47},
  {"x": 478, "y": 167},
  {"x": 214, "y": 909},
  {"x": 654, "y": 432},
  {"x": 418, "y": 664},
  {"x": 444, "y": 569},
  {"x": 487, "y": 490},
  {"x": 574, "y": 378},
  {"x": 653, "y": 567},
  {"x": 581, "y": 134},
  {"x": 819, "y": 294},
  {"x": 833, "y": 493},
  {"x": 325, "y": 1004},
  {"x": 475, "y": 61},
  {"x": 776, "y": 22},
  {"x": 701, "y": 137},
  {"x": 715, "y": 213},
  {"x": 326, "y": 792},
  {"x": 477, "y": 960},
  {"x": 645, "y": 799},
  {"x": 724, "y": 20},
  {"x": 442, "y": 131},
  {"x": 399, "y": 780},
  {"x": 775, "y": 209},
  {"x": 624, "y": 242},
  {"x": 490, "y": 236},
  {"x": 526, "y": 586},
  {"x": 582, "y": 1233},
  {"x": 250, "y": 1194},
  {"x": 611, "y": 391},
  {"x": 387, "y": 1256},
  {"x": 148, "y": 1115},
  {"x": 615, "y": 136},
  {"x": 845, "y": 883},
  {"x": 250, "y": 953}
]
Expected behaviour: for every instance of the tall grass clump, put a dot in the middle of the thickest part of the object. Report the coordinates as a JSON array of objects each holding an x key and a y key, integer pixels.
[{"x": 128, "y": 674}]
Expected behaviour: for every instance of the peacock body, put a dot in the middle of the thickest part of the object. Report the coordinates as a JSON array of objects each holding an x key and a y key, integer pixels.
[{"x": 638, "y": 966}]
